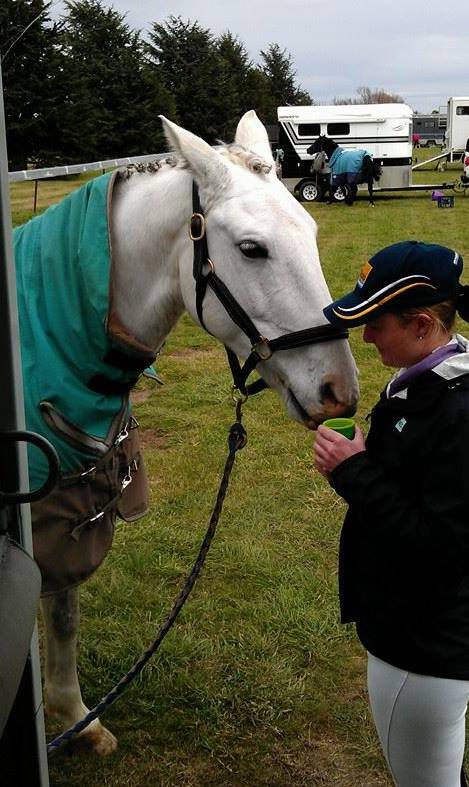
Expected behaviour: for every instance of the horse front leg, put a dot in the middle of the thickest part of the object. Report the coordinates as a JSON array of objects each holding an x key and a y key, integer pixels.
[
  {"x": 350, "y": 193},
  {"x": 62, "y": 690},
  {"x": 370, "y": 193}
]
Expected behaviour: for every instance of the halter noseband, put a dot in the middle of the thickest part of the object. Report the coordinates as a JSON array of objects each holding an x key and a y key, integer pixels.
[{"x": 261, "y": 347}]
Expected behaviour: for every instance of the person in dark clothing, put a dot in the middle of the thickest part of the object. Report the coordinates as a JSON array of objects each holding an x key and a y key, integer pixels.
[{"x": 404, "y": 547}]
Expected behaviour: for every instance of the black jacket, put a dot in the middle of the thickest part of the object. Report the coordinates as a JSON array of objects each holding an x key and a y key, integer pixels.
[{"x": 404, "y": 551}]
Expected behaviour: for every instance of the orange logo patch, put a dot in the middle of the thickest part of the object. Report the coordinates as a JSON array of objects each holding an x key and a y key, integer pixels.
[{"x": 364, "y": 273}]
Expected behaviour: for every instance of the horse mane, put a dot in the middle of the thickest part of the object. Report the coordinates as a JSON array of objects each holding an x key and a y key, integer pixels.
[
  {"x": 147, "y": 168},
  {"x": 322, "y": 144},
  {"x": 236, "y": 153},
  {"x": 246, "y": 158},
  {"x": 329, "y": 144}
]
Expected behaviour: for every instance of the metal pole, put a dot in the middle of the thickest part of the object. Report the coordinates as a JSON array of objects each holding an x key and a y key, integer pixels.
[{"x": 23, "y": 757}]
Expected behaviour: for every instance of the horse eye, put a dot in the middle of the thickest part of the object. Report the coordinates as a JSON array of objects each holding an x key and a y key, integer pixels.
[{"x": 252, "y": 249}]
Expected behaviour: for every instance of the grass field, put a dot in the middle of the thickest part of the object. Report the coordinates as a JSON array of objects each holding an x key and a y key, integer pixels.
[{"x": 257, "y": 684}]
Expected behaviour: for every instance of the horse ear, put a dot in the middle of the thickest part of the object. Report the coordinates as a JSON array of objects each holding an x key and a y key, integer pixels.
[
  {"x": 251, "y": 134},
  {"x": 208, "y": 167}
]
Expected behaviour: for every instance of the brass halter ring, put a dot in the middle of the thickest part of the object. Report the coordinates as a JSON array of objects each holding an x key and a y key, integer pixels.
[
  {"x": 237, "y": 396},
  {"x": 193, "y": 232}
]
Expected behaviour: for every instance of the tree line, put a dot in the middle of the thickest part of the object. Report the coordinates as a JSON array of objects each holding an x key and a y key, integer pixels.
[
  {"x": 365, "y": 95},
  {"x": 88, "y": 87}
]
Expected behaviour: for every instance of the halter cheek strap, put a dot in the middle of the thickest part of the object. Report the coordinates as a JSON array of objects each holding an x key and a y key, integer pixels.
[{"x": 261, "y": 347}]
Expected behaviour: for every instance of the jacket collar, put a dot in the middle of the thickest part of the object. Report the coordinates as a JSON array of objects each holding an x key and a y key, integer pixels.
[
  {"x": 423, "y": 391},
  {"x": 444, "y": 366}
]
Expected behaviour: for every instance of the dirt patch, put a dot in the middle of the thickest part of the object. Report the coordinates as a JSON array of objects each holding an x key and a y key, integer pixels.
[
  {"x": 190, "y": 352},
  {"x": 320, "y": 763},
  {"x": 140, "y": 396},
  {"x": 324, "y": 763},
  {"x": 153, "y": 438}
]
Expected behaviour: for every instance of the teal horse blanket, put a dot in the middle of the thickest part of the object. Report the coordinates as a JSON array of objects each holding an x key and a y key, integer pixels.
[
  {"x": 64, "y": 288},
  {"x": 346, "y": 165}
]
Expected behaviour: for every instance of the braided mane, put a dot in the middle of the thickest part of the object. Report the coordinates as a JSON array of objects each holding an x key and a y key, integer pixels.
[{"x": 237, "y": 154}]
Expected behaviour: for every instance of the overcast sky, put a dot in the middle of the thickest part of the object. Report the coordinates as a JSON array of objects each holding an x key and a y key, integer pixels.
[{"x": 419, "y": 50}]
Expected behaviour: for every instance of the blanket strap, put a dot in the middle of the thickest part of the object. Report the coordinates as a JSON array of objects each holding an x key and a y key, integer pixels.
[
  {"x": 102, "y": 384},
  {"x": 131, "y": 363}
]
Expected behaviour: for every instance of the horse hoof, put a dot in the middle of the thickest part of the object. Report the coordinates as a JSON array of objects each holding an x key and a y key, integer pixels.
[{"x": 96, "y": 739}]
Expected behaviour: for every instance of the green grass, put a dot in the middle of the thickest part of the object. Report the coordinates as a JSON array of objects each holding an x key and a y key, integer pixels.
[
  {"x": 24, "y": 194},
  {"x": 257, "y": 684}
]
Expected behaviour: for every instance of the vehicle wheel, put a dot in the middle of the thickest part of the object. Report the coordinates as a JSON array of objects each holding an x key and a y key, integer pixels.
[
  {"x": 310, "y": 192},
  {"x": 339, "y": 194},
  {"x": 459, "y": 186}
]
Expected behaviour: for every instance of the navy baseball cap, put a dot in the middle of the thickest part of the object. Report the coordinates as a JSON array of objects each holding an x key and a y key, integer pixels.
[{"x": 399, "y": 277}]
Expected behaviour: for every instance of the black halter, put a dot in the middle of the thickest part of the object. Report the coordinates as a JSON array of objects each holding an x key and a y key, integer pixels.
[{"x": 261, "y": 347}]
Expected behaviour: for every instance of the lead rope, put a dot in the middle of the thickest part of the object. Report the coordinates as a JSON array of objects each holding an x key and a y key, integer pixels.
[{"x": 237, "y": 439}]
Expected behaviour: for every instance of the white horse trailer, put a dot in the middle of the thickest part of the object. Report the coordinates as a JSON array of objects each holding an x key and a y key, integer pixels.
[
  {"x": 456, "y": 135},
  {"x": 384, "y": 130},
  {"x": 458, "y": 124}
]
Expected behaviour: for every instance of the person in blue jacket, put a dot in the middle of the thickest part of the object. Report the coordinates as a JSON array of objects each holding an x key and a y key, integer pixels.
[{"x": 404, "y": 547}]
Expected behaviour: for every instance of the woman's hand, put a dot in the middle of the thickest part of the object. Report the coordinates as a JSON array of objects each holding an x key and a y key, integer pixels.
[{"x": 332, "y": 448}]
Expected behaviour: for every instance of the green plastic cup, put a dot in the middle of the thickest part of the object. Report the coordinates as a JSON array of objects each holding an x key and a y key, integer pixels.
[{"x": 345, "y": 426}]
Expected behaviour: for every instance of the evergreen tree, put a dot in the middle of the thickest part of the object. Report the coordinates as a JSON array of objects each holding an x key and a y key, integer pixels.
[
  {"x": 28, "y": 53},
  {"x": 245, "y": 86},
  {"x": 88, "y": 88},
  {"x": 191, "y": 67},
  {"x": 112, "y": 101},
  {"x": 234, "y": 72},
  {"x": 283, "y": 90}
]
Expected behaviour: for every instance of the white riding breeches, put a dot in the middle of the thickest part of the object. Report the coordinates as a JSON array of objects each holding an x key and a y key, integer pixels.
[{"x": 421, "y": 724}]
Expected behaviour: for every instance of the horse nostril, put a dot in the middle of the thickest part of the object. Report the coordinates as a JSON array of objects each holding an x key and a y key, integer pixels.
[{"x": 327, "y": 394}]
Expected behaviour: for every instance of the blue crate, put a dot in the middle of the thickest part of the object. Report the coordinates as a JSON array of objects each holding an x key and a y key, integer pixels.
[{"x": 446, "y": 202}]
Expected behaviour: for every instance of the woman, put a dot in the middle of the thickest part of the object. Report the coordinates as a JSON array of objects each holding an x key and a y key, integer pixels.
[{"x": 404, "y": 550}]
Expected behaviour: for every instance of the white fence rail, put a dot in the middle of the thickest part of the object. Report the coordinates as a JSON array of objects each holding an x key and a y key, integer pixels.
[{"x": 74, "y": 169}]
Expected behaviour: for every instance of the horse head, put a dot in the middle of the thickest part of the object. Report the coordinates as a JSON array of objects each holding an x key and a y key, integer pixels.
[
  {"x": 322, "y": 144},
  {"x": 262, "y": 244},
  {"x": 315, "y": 147}
]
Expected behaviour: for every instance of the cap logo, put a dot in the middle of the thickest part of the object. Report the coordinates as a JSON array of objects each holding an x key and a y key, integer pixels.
[
  {"x": 379, "y": 298},
  {"x": 400, "y": 424},
  {"x": 364, "y": 273}
]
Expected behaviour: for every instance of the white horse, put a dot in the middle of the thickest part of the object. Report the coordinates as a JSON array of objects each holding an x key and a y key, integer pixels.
[{"x": 262, "y": 245}]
